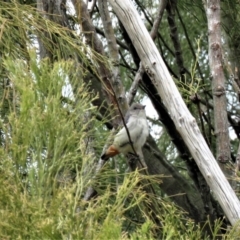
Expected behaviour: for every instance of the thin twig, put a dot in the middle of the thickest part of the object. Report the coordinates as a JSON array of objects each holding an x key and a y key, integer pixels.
[
  {"x": 158, "y": 19},
  {"x": 171, "y": 6},
  {"x": 153, "y": 34},
  {"x": 121, "y": 44},
  {"x": 134, "y": 86},
  {"x": 189, "y": 43},
  {"x": 126, "y": 63}
]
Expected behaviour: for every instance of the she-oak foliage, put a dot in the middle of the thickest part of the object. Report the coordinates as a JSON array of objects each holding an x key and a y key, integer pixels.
[{"x": 44, "y": 157}]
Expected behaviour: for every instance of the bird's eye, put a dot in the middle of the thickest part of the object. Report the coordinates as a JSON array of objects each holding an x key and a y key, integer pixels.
[{"x": 135, "y": 108}]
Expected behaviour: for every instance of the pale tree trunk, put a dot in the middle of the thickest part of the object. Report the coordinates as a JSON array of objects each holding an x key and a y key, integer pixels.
[
  {"x": 232, "y": 63},
  {"x": 223, "y": 152},
  {"x": 229, "y": 19},
  {"x": 184, "y": 121}
]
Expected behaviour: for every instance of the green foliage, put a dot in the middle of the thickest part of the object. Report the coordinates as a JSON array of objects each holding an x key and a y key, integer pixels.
[
  {"x": 42, "y": 149},
  {"x": 23, "y": 27}
]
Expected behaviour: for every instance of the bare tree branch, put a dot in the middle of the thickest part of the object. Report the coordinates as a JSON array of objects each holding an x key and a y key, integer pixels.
[
  {"x": 153, "y": 33},
  {"x": 135, "y": 83},
  {"x": 171, "y": 6}
]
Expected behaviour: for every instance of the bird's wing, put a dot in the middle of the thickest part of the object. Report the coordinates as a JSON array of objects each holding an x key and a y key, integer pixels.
[{"x": 122, "y": 137}]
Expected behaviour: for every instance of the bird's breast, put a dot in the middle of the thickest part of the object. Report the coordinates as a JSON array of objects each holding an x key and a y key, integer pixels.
[{"x": 143, "y": 132}]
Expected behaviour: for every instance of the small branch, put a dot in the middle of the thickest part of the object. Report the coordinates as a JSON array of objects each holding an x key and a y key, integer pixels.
[
  {"x": 143, "y": 9},
  {"x": 190, "y": 44},
  {"x": 134, "y": 86},
  {"x": 171, "y": 6},
  {"x": 195, "y": 99},
  {"x": 153, "y": 34},
  {"x": 126, "y": 63},
  {"x": 121, "y": 44},
  {"x": 158, "y": 19},
  {"x": 113, "y": 50}
]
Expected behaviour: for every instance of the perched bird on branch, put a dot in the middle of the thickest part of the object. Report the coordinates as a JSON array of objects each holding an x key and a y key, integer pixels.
[{"x": 132, "y": 135}]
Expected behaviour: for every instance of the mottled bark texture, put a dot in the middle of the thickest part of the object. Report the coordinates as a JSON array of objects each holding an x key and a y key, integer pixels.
[{"x": 223, "y": 153}]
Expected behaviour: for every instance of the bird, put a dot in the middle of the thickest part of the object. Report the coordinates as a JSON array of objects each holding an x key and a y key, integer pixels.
[{"x": 137, "y": 125}]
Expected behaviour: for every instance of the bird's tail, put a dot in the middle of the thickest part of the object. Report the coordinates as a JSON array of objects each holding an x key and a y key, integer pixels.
[{"x": 111, "y": 152}]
